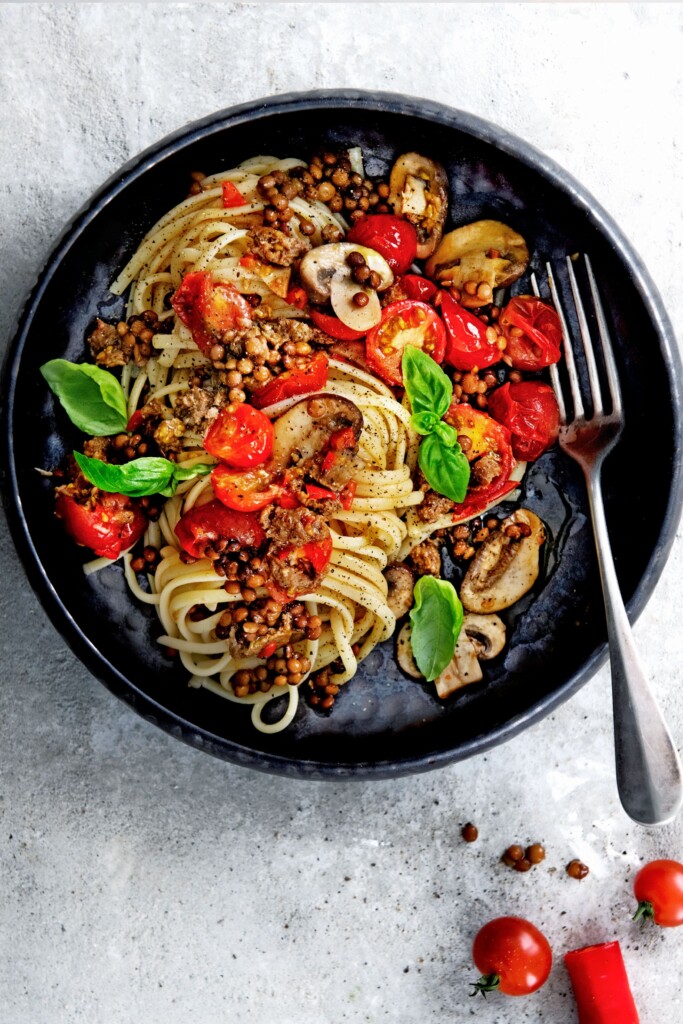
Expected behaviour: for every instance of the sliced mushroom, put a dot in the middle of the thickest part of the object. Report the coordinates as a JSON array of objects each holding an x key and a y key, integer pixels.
[
  {"x": 404, "y": 653},
  {"x": 463, "y": 669},
  {"x": 308, "y": 426},
  {"x": 506, "y": 565},
  {"x": 400, "y": 581},
  {"x": 486, "y": 252},
  {"x": 487, "y": 633},
  {"x": 419, "y": 192},
  {"x": 326, "y": 276}
]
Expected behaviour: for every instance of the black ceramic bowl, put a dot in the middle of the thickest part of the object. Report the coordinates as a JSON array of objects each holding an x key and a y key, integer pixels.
[{"x": 384, "y": 724}]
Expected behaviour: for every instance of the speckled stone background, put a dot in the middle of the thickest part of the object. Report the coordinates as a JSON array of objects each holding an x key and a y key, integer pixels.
[{"x": 142, "y": 880}]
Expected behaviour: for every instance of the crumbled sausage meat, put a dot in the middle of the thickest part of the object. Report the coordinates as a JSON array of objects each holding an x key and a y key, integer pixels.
[
  {"x": 486, "y": 469},
  {"x": 108, "y": 347},
  {"x": 426, "y": 558},
  {"x": 276, "y": 247},
  {"x": 198, "y": 407},
  {"x": 168, "y": 435},
  {"x": 434, "y": 506},
  {"x": 289, "y": 530}
]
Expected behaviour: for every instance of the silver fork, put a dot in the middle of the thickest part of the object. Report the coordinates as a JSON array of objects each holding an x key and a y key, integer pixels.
[{"x": 647, "y": 764}]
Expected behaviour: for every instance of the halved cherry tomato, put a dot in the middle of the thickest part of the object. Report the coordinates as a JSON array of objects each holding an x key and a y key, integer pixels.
[
  {"x": 658, "y": 887},
  {"x": 231, "y": 195},
  {"x": 416, "y": 287},
  {"x": 293, "y": 382},
  {"x": 489, "y": 440},
  {"x": 468, "y": 345},
  {"x": 390, "y": 236},
  {"x": 533, "y": 333},
  {"x": 204, "y": 524},
  {"x": 241, "y": 436},
  {"x": 333, "y": 326},
  {"x": 245, "y": 491},
  {"x": 512, "y": 955},
  {"x": 529, "y": 410},
  {"x": 352, "y": 352},
  {"x": 209, "y": 308},
  {"x": 109, "y": 527},
  {"x": 404, "y": 323},
  {"x": 297, "y": 296}
]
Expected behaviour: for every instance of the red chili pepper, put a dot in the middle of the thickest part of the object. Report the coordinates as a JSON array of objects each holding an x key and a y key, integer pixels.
[
  {"x": 269, "y": 649},
  {"x": 347, "y": 494},
  {"x": 600, "y": 983},
  {"x": 319, "y": 493},
  {"x": 297, "y": 296},
  {"x": 231, "y": 195},
  {"x": 134, "y": 422}
]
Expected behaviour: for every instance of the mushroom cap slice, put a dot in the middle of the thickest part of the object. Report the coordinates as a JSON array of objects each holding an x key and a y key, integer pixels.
[
  {"x": 503, "y": 569},
  {"x": 308, "y": 426},
  {"x": 463, "y": 669},
  {"x": 327, "y": 263},
  {"x": 358, "y": 318},
  {"x": 486, "y": 252},
  {"x": 487, "y": 633},
  {"x": 404, "y": 653},
  {"x": 419, "y": 192},
  {"x": 400, "y": 583}
]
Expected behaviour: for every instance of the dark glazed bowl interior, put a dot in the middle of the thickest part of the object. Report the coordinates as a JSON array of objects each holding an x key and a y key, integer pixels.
[{"x": 384, "y": 724}]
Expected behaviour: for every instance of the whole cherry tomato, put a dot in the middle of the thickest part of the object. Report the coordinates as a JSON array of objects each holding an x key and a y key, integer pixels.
[
  {"x": 333, "y": 326},
  {"x": 512, "y": 955},
  {"x": 658, "y": 887},
  {"x": 469, "y": 345},
  {"x": 241, "y": 436},
  {"x": 404, "y": 323},
  {"x": 209, "y": 308},
  {"x": 203, "y": 525},
  {"x": 487, "y": 447},
  {"x": 245, "y": 491},
  {"x": 530, "y": 412},
  {"x": 293, "y": 382},
  {"x": 533, "y": 333},
  {"x": 112, "y": 525},
  {"x": 390, "y": 236}
]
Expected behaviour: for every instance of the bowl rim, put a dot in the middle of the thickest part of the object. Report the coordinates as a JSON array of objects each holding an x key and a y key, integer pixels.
[{"x": 137, "y": 166}]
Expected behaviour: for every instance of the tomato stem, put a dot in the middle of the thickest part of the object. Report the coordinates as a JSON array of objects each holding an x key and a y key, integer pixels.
[
  {"x": 487, "y": 983},
  {"x": 644, "y": 912}
]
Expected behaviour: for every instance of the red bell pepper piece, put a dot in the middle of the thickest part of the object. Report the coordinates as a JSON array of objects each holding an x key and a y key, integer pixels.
[
  {"x": 347, "y": 494},
  {"x": 297, "y": 296},
  {"x": 231, "y": 195},
  {"x": 600, "y": 983}
]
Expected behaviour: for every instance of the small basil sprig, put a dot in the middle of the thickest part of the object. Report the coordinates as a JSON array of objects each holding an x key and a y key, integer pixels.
[
  {"x": 138, "y": 478},
  {"x": 436, "y": 621},
  {"x": 430, "y": 391},
  {"x": 92, "y": 398}
]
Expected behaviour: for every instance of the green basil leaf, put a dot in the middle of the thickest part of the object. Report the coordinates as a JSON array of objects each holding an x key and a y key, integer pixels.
[
  {"x": 447, "y": 434},
  {"x": 436, "y": 621},
  {"x": 138, "y": 478},
  {"x": 92, "y": 398},
  {"x": 424, "y": 422},
  {"x": 445, "y": 468},
  {"x": 429, "y": 389}
]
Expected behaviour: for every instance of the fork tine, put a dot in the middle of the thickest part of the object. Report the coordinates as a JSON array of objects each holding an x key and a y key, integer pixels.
[
  {"x": 608, "y": 351},
  {"x": 568, "y": 358},
  {"x": 593, "y": 379},
  {"x": 554, "y": 375}
]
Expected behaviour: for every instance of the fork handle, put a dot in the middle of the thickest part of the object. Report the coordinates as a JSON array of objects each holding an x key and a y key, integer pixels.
[{"x": 648, "y": 768}]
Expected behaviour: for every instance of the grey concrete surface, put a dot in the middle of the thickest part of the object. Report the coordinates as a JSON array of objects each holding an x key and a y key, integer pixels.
[{"x": 144, "y": 881}]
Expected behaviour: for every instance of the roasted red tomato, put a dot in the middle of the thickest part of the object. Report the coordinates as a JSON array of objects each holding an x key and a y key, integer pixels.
[
  {"x": 293, "y": 382},
  {"x": 297, "y": 296},
  {"x": 529, "y": 410},
  {"x": 390, "y": 236},
  {"x": 350, "y": 352},
  {"x": 209, "y": 308},
  {"x": 231, "y": 195},
  {"x": 333, "y": 326},
  {"x": 109, "y": 527},
  {"x": 487, "y": 447},
  {"x": 512, "y": 955},
  {"x": 203, "y": 525},
  {"x": 416, "y": 287},
  {"x": 658, "y": 887},
  {"x": 470, "y": 342},
  {"x": 532, "y": 331},
  {"x": 245, "y": 491},
  {"x": 404, "y": 323},
  {"x": 241, "y": 436}
]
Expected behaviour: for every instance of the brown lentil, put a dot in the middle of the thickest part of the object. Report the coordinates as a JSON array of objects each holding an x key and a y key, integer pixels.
[
  {"x": 470, "y": 832},
  {"x": 577, "y": 869}
]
